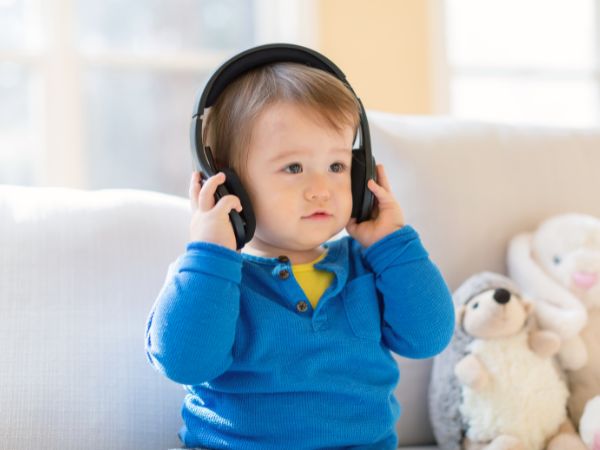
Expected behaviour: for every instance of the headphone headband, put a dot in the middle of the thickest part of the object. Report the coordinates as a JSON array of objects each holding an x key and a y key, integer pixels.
[
  {"x": 252, "y": 58},
  {"x": 257, "y": 57}
]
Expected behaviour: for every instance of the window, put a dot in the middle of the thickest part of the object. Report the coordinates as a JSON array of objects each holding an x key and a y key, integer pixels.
[
  {"x": 532, "y": 61},
  {"x": 99, "y": 93}
]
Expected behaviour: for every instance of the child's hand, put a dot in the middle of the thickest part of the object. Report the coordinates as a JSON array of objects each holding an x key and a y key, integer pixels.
[
  {"x": 210, "y": 221},
  {"x": 387, "y": 215}
]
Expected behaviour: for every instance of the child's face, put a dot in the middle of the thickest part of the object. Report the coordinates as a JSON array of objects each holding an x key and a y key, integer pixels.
[{"x": 285, "y": 189}]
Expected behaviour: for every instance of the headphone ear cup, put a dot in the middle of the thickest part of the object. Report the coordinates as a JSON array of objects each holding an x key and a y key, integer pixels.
[
  {"x": 357, "y": 174},
  {"x": 362, "y": 197},
  {"x": 244, "y": 222}
]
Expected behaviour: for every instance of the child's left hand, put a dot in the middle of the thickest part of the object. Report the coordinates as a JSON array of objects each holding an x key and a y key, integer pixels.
[{"x": 387, "y": 215}]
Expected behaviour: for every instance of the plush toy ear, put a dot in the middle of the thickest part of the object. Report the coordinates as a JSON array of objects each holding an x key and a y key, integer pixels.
[
  {"x": 460, "y": 312},
  {"x": 557, "y": 309}
]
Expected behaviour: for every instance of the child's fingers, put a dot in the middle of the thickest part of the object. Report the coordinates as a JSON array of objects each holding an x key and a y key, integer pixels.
[
  {"x": 377, "y": 188},
  {"x": 382, "y": 178},
  {"x": 206, "y": 198},
  {"x": 381, "y": 188},
  {"x": 382, "y": 196},
  {"x": 194, "y": 189},
  {"x": 227, "y": 203}
]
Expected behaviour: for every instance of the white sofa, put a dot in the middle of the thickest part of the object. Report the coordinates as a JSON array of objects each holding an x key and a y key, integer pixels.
[{"x": 80, "y": 270}]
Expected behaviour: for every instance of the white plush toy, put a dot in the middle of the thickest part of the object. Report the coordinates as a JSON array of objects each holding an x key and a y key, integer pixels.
[
  {"x": 559, "y": 267},
  {"x": 496, "y": 386}
]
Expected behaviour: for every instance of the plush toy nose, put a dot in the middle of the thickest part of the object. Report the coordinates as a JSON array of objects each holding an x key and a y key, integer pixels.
[
  {"x": 502, "y": 296},
  {"x": 585, "y": 280}
]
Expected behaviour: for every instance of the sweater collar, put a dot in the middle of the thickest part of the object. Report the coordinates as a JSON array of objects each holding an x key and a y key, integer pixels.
[{"x": 336, "y": 260}]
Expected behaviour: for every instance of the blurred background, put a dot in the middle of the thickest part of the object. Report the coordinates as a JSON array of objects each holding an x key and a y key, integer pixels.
[{"x": 98, "y": 93}]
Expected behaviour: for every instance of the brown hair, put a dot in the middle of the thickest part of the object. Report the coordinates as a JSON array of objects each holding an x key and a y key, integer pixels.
[{"x": 228, "y": 126}]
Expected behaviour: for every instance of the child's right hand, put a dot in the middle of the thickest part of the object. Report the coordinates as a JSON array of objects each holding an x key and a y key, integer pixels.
[{"x": 210, "y": 219}]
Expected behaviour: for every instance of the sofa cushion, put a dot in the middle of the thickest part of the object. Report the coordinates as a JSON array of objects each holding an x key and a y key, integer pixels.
[{"x": 79, "y": 272}]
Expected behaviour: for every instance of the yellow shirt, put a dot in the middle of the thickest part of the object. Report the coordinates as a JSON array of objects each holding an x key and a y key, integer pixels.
[{"x": 312, "y": 281}]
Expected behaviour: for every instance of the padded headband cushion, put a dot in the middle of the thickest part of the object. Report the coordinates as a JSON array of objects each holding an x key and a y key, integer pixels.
[{"x": 261, "y": 56}]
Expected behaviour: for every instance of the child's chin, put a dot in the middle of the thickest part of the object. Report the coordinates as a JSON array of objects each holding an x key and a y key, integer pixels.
[{"x": 335, "y": 234}]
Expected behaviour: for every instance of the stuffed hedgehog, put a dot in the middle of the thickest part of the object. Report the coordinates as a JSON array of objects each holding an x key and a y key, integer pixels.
[
  {"x": 496, "y": 386},
  {"x": 559, "y": 267}
]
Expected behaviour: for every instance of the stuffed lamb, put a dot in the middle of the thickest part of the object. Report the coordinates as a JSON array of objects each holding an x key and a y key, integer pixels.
[
  {"x": 559, "y": 267},
  {"x": 496, "y": 386}
]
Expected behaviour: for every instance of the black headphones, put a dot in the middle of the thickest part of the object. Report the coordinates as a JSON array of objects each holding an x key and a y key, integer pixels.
[{"x": 363, "y": 163}]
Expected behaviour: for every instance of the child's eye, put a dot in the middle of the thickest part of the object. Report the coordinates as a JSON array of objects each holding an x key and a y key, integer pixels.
[
  {"x": 294, "y": 168},
  {"x": 338, "y": 167}
]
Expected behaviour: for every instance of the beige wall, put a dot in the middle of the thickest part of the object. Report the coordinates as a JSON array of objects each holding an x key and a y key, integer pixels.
[{"x": 383, "y": 47}]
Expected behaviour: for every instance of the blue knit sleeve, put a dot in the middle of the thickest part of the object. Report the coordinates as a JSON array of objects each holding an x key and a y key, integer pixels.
[
  {"x": 418, "y": 308},
  {"x": 191, "y": 328}
]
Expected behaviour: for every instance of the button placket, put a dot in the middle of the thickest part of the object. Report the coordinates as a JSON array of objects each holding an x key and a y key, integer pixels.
[
  {"x": 320, "y": 321},
  {"x": 302, "y": 306},
  {"x": 283, "y": 272}
]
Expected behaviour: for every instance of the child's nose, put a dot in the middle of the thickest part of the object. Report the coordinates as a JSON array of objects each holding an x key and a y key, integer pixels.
[
  {"x": 313, "y": 194},
  {"x": 317, "y": 188}
]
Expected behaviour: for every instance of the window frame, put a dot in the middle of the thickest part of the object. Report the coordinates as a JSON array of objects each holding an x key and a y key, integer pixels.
[
  {"x": 443, "y": 72},
  {"x": 57, "y": 153}
]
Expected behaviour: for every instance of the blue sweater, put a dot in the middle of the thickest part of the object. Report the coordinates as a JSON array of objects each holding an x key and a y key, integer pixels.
[{"x": 265, "y": 371}]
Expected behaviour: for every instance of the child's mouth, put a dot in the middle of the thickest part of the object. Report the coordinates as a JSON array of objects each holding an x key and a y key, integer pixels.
[{"x": 318, "y": 216}]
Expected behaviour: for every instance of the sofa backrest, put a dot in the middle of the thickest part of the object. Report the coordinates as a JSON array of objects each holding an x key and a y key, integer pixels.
[{"x": 468, "y": 187}]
